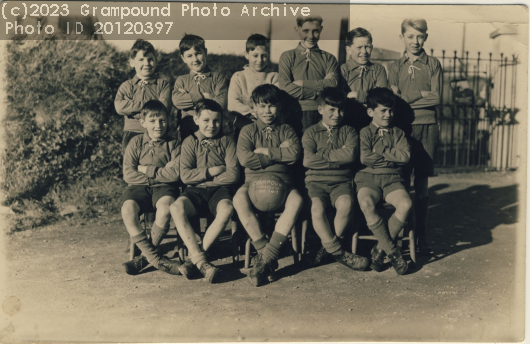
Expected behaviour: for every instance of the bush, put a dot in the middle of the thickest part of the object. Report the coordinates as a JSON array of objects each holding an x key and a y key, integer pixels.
[{"x": 60, "y": 123}]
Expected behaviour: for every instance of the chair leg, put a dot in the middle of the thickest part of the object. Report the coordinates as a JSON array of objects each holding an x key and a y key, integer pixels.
[
  {"x": 305, "y": 223},
  {"x": 235, "y": 244},
  {"x": 412, "y": 244},
  {"x": 294, "y": 240},
  {"x": 354, "y": 242},
  {"x": 247, "y": 254}
]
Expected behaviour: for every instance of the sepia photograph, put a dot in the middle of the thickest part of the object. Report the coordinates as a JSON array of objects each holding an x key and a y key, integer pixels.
[{"x": 185, "y": 172}]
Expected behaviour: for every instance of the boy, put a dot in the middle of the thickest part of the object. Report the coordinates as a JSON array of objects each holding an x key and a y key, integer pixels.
[
  {"x": 151, "y": 169},
  {"x": 267, "y": 146},
  {"x": 254, "y": 74},
  {"x": 200, "y": 83},
  {"x": 330, "y": 151},
  {"x": 208, "y": 166},
  {"x": 384, "y": 153},
  {"x": 417, "y": 79},
  {"x": 306, "y": 70},
  {"x": 358, "y": 75},
  {"x": 144, "y": 86}
]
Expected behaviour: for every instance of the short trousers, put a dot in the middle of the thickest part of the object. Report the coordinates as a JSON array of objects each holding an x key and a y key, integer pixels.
[
  {"x": 309, "y": 118},
  {"x": 127, "y": 136},
  {"x": 207, "y": 198},
  {"x": 329, "y": 192},
  {"x": 423, "y": 141},
  {"x": 383, "y": 184},
  {"x": 147, "y": 196}
]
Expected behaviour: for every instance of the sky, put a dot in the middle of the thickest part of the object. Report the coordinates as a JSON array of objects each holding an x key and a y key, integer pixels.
[{"x": 446, "y": 28}]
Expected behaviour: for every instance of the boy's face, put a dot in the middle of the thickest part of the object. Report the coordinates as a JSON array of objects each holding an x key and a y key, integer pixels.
[
  {"x": 360, "y": 50},
  {"x": 381, "y": 115},
  {"x": 331, "y": 116},
  {"x": 267, "y": 113},
  {"x": 195, "y": 59},
  {"x": 413, "y": 40},
  {"x": 209, "y": 122},
  {"x": 309, "y": 33},
  {"x": 156, "y": 124},
  {"x": 144, "y": 64},
  {"x": 258, "y": 59}
]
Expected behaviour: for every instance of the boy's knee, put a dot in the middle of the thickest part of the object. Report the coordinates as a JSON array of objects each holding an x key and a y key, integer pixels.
[
  {"x": 240, "y": 200},
  {"x": 225, "y": 208},
  {"x": 318, "y": 209},
  {"x": 294, "y": 200},
  {"x": 366, "y": 204},
  {"x": 405, "y": 204},
  {"x": 343, "y": 204},
  {"x": 130, "y": 208},
  {"x": 177, "y": 208}
]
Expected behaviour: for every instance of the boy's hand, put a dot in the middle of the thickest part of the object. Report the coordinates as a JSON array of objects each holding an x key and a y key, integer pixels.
[
  {"x": 216, "y": 170},
  {"x": 395, "y": 89},
  {"x": 424, "y": 93},
  {"x": 285, "y": 144},
  {"x": 329, "y": 76},
  {"x": 207, "y": 95},
  {"x": 352, "y": 94},
  {"x": 181, "y": 90},
  {"x": 264, "y": 151},
  {"x": 142, "y": 169},
  {"x": 299, "y": 83}
]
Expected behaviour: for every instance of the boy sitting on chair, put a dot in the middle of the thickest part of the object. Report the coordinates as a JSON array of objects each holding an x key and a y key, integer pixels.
[
  {"x": 151, "y": 168},
  {"x": 330, "y": 150},
  {"x": 208, "y": 167},
  {"x": 384, "y": 153}
]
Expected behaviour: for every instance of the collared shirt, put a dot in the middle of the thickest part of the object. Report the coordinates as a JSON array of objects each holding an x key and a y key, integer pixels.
[
  {"x": 243, "y": 83},
  {"x": 318, "y": 69},
  {"x": 330, "y": 157},
  {"x": 259, "y": 135},
  {"x": 134, "y": 93},
  {"x": 424, "y": 74},
  {"x": 189, "y": 89},
  {"x": 362, "y": 78},
  {"x": 383, "y": 152},
  {"x": 162, "y": 158},
  {"x": 199, "y": 153}
]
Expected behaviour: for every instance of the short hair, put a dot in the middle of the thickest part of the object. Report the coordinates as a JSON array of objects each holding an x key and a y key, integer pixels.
[
  {"x": 380, "y": 96},
  {"x": 256, "y": 40},
  {"x": 208, "y": 104},
  {"x": 332, "y": 96},
  {"x": 153, "y": 108},
  {"x": 267, "y": 94},
  {"x": 191, "y": 41},
  {"x": 142, "y": 45},
  {"x": 417, "y": 24},
  {"x": 301, "y": 20},
  {"x": 358, "y": 32}
]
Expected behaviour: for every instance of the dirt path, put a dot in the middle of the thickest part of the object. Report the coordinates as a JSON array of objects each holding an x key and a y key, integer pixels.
[{"x": 66, "y": 284}]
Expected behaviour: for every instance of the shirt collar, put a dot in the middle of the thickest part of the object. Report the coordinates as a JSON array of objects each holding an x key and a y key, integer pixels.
[
  {"x": 136, "y": 80},
  {"x": 147, "y": 139},
  {"x": 201, "y": 137},
  {"x": 323, "y": 127},
  {"x": 262, "y": 125},
  {"x": 264, "y": 71},
  {"x": 206, "y": 72},
  {"x": 300, "y": 48},
  {"x": 422, "y": 58},
  {"x": 352, "y": 64}
]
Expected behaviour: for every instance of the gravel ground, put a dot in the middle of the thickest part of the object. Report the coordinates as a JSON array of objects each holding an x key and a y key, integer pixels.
[{"x": 66, "y": 284}]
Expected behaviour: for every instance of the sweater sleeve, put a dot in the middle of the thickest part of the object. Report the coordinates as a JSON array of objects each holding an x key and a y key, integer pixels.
[
  {"x": 393, "y": 78},
  {"x": 380, "y": 81},
  {"x": 124, "y": 103},
  {"x": 131, "y": 160},
  {"x": 332, "y": 75},
  {"x": 189, "y": 171},
  {"x": 343, "y": 79},
  {"x": 236, "y": 98},
  {"x": 231, "y": 175},
  {"x": 346, "y": 155},
  {"x": 286, "y": 79},
  {"x": 368, "y": 156},
  {"x": 171, "y": 172},
  {"x": 245, "y": 151},
  {"x": 399, "y": 152},
  {"x": 182, "y": 98},
  {"x": 288, "y": 155},
  {"x": 433, "y": 98},
  {"x": 311, "y": 160},
  {"x": 220, "y": 87},
  {"x": 165, "y": 95}
]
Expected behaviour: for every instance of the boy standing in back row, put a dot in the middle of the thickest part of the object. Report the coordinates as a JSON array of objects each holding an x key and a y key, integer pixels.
[{"x": 307, "y": 70}]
